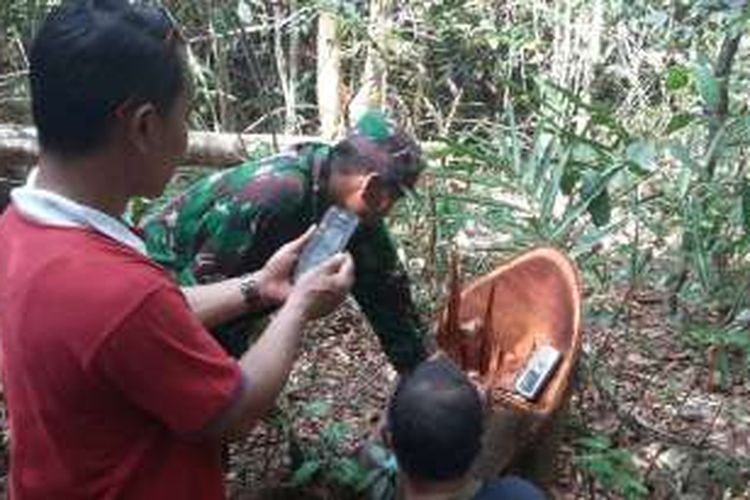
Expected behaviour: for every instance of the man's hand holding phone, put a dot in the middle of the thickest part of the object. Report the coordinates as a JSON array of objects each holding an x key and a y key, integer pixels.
[
  {"x": 330, "y": 237},
  {"x": 275, "y": 277},
  {"x": 321, "y": 289},
  {"x": 312, "y": 267}
]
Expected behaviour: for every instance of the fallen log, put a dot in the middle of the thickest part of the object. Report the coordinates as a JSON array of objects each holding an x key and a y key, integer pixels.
[{"x": 18, "y": 147}]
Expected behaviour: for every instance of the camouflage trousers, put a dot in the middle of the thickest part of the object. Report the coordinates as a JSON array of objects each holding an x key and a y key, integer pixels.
[{"x": 237, "y": 335}]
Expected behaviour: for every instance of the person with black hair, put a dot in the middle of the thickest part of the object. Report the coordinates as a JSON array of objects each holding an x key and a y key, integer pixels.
[
  {"x": 228, "y": 223},
  {"x": 435, "y": 425},
  {"x": 114, "y": 387}
]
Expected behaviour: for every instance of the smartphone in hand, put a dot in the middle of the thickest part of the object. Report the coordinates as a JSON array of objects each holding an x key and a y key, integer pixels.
[{"x": 330, "y": 237}]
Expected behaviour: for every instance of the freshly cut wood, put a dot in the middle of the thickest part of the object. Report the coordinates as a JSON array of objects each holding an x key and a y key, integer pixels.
[
  {"x": 18, "y": 146},
  {"x": 501, "y": 319}
]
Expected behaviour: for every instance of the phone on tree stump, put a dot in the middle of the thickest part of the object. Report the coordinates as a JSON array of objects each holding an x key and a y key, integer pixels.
[{"x": 537, "y": 372}]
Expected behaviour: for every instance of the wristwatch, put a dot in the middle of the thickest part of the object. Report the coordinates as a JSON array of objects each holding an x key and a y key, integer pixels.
[{"x": 250, "y": 290}]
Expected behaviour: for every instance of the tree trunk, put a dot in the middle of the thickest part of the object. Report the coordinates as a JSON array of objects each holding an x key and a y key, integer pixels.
[
  {"x": 329, "y": 75},
  {"x": 722, "y": 71},
  {"x": 284, "y": 68},
  {"x": 373, "y": 84},
  {"x": 294, "y": 46},
  {"x": 18, "y": 147}
]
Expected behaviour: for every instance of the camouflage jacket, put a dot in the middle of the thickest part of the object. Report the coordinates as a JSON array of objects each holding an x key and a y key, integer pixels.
[{"x": 232, "y": 221}]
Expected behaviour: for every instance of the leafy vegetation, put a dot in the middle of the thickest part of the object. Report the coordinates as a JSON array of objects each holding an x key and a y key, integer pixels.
[
  {"x": 614, "y": 129},
  {"x": 610, "y": 465}
]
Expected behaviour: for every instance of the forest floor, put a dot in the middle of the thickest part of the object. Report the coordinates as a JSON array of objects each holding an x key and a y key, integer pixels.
[{"x": 643, "y": 415}]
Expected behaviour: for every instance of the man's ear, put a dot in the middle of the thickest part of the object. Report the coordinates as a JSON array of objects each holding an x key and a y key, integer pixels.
[
  {"x": 374, "y": 191},
  {"x": 144, "y": 128}
]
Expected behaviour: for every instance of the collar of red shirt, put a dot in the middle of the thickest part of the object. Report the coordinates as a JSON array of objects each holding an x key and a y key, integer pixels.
[{"x": 46, "y": 207}]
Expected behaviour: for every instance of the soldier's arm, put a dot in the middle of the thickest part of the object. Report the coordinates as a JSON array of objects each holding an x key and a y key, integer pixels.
[
  {"x": 383, "y": 292},
  {"x": 266, "y": 288},
  {"x": 234, "y": 229},
  {"x": 220, "y": 301}
]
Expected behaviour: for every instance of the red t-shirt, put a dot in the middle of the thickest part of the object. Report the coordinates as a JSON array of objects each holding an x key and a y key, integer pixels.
[{"x": 107, "y": 373}]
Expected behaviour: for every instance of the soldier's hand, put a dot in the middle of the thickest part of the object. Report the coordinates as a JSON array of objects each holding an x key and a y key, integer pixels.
[
  {"x": 275, "y": 278},
  {"x": 318, "y": 291}
]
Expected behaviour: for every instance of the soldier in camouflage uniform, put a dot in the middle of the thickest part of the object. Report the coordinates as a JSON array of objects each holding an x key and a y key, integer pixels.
[{"x": 231, "y": 222}]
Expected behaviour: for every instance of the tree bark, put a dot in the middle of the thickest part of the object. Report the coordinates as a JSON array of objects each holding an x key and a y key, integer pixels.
[
  {"x": 329, "y": 75},
  {"x": 722, "y": 71},
  {"x": 283, "y": 69},
  {"x": 18, "y": 147},
  {"x": 373, "y": 83},
  {"x": 294, "y": 54}
]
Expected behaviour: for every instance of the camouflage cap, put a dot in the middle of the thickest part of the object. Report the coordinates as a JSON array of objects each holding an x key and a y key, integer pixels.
[{"x": 390, "y": 151}]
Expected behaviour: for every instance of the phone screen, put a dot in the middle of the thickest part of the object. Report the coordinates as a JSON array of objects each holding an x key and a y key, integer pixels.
[{"x": 330, "y": 237}]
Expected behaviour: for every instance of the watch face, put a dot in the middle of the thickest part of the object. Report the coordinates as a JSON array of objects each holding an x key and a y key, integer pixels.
[
  {"x": 249, "y": 289},
  {"x": 330, "y": 237}
]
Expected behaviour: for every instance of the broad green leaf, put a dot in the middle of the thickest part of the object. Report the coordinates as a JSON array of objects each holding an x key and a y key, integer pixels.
[
  {"x": 679, "y": 121},
  {"x": 683, "y": 180},
  {"x": 681, "y": 153},
  {"x": 515, "y": 142},
  {"x": 305, "y": 472},
  {"x": 595, "y": 189},
  {"x": 745, "y": 205},
  {"x": 551, "y": 188},
  {"x": 707, "y": 84},
  {"x": 595, "y": 442},
  {"x": 599, "y": 114},
  {"x": 569, "y": 179},
  {"x": 642, "y": 153},
  {"x": 599, "y": 207},
  {"x": 678, "y": 77},
  {"x": 700, "y": 255},
  {"x": 594, "y": 236},
  {"x": 725, "y": 371}
]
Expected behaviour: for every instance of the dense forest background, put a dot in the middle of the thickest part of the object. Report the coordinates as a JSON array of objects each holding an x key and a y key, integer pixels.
[{"x": 617, "y": 130}]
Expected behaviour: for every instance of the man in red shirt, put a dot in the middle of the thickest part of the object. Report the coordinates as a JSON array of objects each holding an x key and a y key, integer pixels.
[{"x": 114, "y": 387}]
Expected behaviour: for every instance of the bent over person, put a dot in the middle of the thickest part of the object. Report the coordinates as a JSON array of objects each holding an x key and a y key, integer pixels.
[
  {"x": 230, "y": 222},
  {"x": 113, "y": 386}
]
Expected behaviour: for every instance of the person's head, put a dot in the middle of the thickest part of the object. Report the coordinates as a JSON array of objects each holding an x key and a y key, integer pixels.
[
  {"x": 376, "y": 163},
  {"x": 109, "y": 75},
  {"x": 435, "y": 421}
]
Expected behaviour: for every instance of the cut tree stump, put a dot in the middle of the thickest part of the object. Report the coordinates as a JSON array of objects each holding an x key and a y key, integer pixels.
[{"x": 492, "y": 326}]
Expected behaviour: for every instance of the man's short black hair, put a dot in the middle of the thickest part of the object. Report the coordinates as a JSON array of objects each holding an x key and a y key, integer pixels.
[
  {"x": 91, "y": 57},
  {"x": 397, "y": 158},
  {"x": 435, "y": 422}
]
